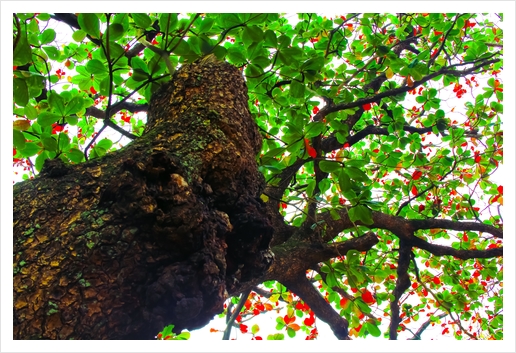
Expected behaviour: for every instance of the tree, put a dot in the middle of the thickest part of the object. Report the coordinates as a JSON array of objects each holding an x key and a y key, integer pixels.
[{"x": 312, "y": 163}]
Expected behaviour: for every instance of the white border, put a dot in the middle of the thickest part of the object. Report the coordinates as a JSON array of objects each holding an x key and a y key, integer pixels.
[{"x": 8, "y": 7}]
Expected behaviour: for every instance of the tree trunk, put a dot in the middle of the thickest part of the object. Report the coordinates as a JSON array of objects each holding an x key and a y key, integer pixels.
[{"x": 156, "y": 233}]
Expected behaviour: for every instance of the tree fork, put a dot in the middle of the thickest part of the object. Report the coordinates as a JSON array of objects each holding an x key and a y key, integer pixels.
[{"x": 156, "y": 233}]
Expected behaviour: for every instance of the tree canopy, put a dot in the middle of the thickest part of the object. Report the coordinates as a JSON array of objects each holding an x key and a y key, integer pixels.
[{"x": 382, "y": 135}]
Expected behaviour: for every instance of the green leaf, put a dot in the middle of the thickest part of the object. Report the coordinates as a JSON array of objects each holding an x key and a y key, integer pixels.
[
  {"x": 329, "y": 166},
  {"x": 352, "y": 257},
  {"x": 47, "y": 36},
  {"x": 96, "y": 67},
  {"x": 142, "y": 20},
  {"x": 74, "y": 105},
  {"x": 116, "y": 31},
  {"x": 373, "y": 329},
  {"x": 297, "y": 89},
  {"x": 31, "y": 112},
  {"x": 75, "y": 155},
  {"x": 361, "y": 213},
  {"x": 64, "y": 141},
  {"x": 22, "y": 53},
  {"x": 344, "y": 181},
  {"x": 314, "y": 129},
  {"x": 105, "y": 144},
  {"x": 331, "y": 281},
  {"x": 356, "y": 174},
  {"x": 79, "y": 35},
  {"x": 206, "y": 25},
  {"x": 270, "y": 39},
  {"x": 72, "y": 120},
  {"x": 251, "y": 34},
  {"x": 52, "y": 52},
  {"x": 20, "y": 92},
  {"x": 49, "y": 143},
  {"x": 18, "y": 140},
  {"x": 236, "y": 56},
  {"x": 47, "y": 118},
  {"x": 56, "y": 103},
  {"x": 31, "y": 148},
  {"x": 89, "y": 23},
  {"x": 168, "y": 22},
  {"x": 313, "y": 64},
  {"x": 40, "y": 160}
]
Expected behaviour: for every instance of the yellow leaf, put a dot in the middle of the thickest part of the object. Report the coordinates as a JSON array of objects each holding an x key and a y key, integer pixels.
[
  {"x": 500, "y": 200},
  {"x": 264, "y": 197},
  {"x": 21, "y": 124},
  {"x": 340, "y": 155},
  {"x": 389, "y": 73}
]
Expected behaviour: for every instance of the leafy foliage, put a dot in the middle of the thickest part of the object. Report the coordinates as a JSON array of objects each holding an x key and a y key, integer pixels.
[{"x": 362, "y": 115}]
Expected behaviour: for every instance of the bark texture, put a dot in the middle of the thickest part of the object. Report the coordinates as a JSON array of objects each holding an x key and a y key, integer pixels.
[{"x": 156, "y": 233}]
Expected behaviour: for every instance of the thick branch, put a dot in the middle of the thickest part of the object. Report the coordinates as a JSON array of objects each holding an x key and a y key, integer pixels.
[
  {"x": 302, "y": 287},
  {"x": 402, "y": 283}
]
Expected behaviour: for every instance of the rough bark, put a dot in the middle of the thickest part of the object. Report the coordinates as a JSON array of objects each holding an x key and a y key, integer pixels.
[{"x": 156, "y": 233}]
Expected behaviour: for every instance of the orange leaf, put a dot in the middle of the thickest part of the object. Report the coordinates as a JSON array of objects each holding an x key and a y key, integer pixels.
[
  {"x": 294, "y": 327},
  {"x": 410, "y": 82}
]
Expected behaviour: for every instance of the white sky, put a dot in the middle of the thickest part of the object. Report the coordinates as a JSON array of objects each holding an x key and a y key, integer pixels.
[{"x": 8, "y": 7}]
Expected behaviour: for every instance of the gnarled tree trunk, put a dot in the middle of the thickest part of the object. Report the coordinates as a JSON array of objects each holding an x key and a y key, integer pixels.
[{"x": 156, "y": 233}]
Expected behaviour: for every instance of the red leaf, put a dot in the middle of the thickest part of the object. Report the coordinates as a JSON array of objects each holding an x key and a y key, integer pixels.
[
  {"x": 421, "y": 208},
  {"x": 243, "y": 328},
  {"x": 367, "y": 297},
  {"x": 477, "y": 158},
  {"x": 465, "y": 237},
  {"x": 436, "y": 280},
  {"x": 500, "y": 189},
  {"x": 414, "y": 190},
  {"x": 258, "y": 338},
  {"x": 92, "y": 90},
  {"x": 416, "y": 175},
  {"x": 343, "y": 302},
  {"x": 312, "y": 152},
  {"x": 309, "y": 321},
  {"x": 288, "y": 319},
  {"x": 315, "y": 110},
  {"x": 415, "y": 285},
  {"x": 367, "y": 106}
]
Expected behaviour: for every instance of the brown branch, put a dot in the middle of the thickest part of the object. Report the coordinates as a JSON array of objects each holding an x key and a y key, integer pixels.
[
  {"x": 418, "y": 224},
  {"x": 302, "y": 287},
  {"x": 402, "y": 284},
  {"x": 464, "y": 254},
  {"x": 422, "y": 328}
]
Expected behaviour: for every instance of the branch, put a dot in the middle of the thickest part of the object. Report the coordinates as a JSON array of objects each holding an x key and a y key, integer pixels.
[
  {"x": 402, "y": 284},
  {"x": 342, "y": 292},
  {"x": 419, "y": 332},
  {"x": 233, "y": 317},
  {"x": 302, "y": 287}
]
